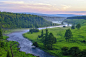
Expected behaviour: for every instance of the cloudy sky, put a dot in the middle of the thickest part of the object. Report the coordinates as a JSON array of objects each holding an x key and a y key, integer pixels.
[{"x": 44, "y": 6}]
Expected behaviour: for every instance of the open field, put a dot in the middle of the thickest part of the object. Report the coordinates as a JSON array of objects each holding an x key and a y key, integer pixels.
[{"x": 76, "y": 41}]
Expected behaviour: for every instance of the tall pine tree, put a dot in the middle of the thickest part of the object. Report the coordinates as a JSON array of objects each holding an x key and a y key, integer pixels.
[
  {"x": 68, "y": 35},
  {"x": 1, "y": 36}
]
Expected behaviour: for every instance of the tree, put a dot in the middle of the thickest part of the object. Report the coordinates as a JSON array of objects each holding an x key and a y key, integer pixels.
[
  {"x": 48, "y": 39},
  {"x": 78, "y": 26},
  {"x": 73, "y": 27},
  {"x": 65, "y": 51},
  {"x": 35, "y": 44},
  {"x": 82, "y": 53},
  {"x": 34, "y": 30},
  {"x": 51, "y": 41},
  {"x": 42, "y": 33},
  {"x": 45, "y": 38},
  {"x": 1, "y": 36},
  {"x": 68, "y": 35},
  {"x": 1, "y": 44},
  {"x": 74, "y": 51},
  {"x": 8, "y": 55}
]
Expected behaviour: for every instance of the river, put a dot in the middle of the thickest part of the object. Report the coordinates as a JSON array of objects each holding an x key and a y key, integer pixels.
[{"x": 25, "y": 45}]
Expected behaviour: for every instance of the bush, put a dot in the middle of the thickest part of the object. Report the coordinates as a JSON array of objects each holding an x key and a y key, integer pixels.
[
  {"x": 64, "y": 26},
  {"x": 65, "y": 51},
  {"x": 73, "y": 27},
  {"x": 34, "y": 30},
  {"x": 82, "y": 53},
  {"x": 35, "y": 44},
  {"x": 64, "y": 48},
  {"x": 74, "y": 51}
]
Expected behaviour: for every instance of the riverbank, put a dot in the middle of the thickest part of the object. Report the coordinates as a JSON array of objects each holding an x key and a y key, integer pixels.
[
  {"x": 77, "y": 41},
  {"x": 8, "y": 31},
  {"x": 34, "y": 38},
  {"x": 7, "y": 45}
]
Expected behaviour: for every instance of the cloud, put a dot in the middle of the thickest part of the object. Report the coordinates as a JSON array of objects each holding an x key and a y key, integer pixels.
[
  {"x": 20, "y": 5},
  {"x": 64, "y": 7}
]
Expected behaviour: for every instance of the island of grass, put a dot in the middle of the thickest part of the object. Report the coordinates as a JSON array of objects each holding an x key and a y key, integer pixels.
[{"x": 78, "y": 40}]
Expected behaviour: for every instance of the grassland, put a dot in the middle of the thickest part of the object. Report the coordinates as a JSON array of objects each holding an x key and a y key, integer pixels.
[{"x": 76, "y": 41}]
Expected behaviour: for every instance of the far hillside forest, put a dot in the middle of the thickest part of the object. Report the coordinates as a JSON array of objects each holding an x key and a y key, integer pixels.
[
  {"x": 76, "y": 20},
  {"x": 16, "y": 20}
]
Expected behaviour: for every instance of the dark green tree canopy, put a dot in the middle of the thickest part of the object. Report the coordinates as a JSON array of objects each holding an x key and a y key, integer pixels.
[
  {"x": 78, "y": 26},
  {"x": 68, "y": 34},
  {"x": 48, "y": 39},
  {"x": 73, "y": 27},
  {"x": 1, "y": 36},
  {"x": 16, "y": 20}
]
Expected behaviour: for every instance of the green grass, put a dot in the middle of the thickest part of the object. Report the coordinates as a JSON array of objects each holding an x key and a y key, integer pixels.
[
  {"x": 15, "y": 49},
  {"x": 78, "y": 37}
]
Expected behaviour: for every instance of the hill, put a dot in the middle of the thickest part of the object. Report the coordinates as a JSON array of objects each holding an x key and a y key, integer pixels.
[
  {"x": 53, "y": 15},
  {"x": 77, "y": 17},
  {"x": 16, "y": 20},
  {"x": 75, "y": 20}
]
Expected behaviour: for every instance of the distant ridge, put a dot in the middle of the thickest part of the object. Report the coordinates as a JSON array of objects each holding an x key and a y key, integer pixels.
[{"x": 53, "y": 15}]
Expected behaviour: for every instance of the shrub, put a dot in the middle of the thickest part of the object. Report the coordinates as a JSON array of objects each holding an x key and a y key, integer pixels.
[
  {"x": 34, "y": 30},
  {"x": 35, "y": 44},
  {"x": 65, "y": 51}
]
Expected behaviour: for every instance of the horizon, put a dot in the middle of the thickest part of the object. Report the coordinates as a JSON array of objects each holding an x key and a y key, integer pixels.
[{"x": 76, "y": 7}]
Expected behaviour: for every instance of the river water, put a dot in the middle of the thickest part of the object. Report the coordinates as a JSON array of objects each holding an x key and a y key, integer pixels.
[{"x": 25, "y": 45}]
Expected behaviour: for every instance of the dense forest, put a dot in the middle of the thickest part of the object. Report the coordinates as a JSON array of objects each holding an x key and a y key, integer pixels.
[
  {"x": 77, "y": 17},
  {"x": 16, "y": 20},
  {"x": 76, "y": 20}
]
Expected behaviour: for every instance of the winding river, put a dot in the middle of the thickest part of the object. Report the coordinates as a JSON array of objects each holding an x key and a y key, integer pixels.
[{"x": 25, "y": 45}]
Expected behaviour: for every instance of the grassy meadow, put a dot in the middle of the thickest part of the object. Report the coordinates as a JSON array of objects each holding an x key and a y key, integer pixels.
[{"x": 59, "y": 32}]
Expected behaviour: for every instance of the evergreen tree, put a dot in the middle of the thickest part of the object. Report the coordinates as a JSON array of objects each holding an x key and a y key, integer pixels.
[
  {"x": 73, "y": 27},
  {"x": 8, "y": 55},
  {"x": 78, "y": 26},
  {"x": 42, "y": 33},
  {"x": 51, "y": 41},
  {"x": 46, "y": 38},
  {"x": 1, "y": 36},
  {"x": 68, "y": 34}
]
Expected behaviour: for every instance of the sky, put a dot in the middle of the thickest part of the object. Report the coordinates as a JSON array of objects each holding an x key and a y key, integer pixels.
[{"x": 44, "y": 6}]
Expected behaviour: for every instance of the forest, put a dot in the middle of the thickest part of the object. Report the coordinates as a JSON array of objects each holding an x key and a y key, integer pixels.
[
  {"x": 76, "y": 20},
  {"x": 77, "y": 17},
  {"x": 16, "y": 20}
]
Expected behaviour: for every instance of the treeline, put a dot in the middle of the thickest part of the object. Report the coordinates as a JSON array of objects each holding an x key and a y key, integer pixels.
[
  {"x": 77, "y": 17},
  {"x": 73, "y": 51},
  {"x": 16, "y": 20}
]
